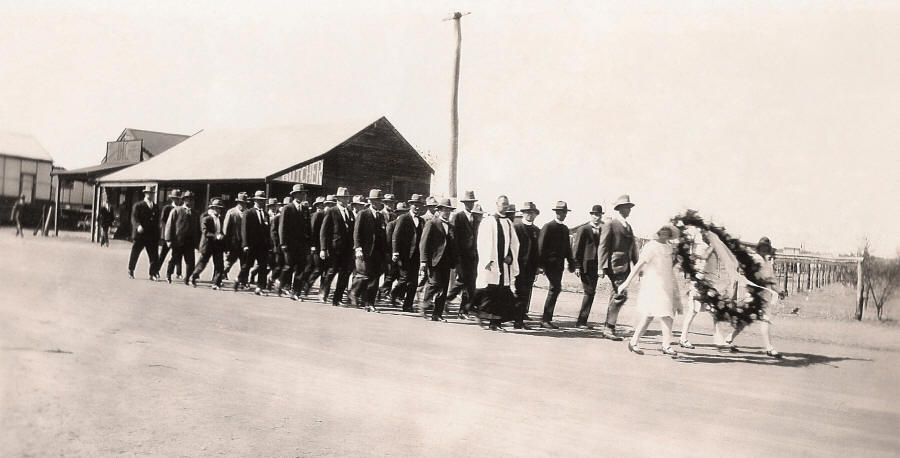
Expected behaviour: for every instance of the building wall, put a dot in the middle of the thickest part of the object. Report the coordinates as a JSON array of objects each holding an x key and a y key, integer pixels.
[
  {"x": 24, "y": 176},
  {"x": 361, "y": 167}
]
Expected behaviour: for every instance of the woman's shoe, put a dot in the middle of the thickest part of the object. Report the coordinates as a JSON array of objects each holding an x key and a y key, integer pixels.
[
  {"x": 670, "y": 352},
  {"x": 634, "y": 349},
  {"x": 773, "y": 354},
  {"x": 686, "y": 344}
]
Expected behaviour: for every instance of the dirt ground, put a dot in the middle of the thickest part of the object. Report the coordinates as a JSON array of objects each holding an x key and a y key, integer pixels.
[{"x": 95, "y": 364}]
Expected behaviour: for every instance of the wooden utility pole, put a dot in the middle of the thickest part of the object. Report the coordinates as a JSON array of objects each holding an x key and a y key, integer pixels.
[{"x": 454, "y": 104}]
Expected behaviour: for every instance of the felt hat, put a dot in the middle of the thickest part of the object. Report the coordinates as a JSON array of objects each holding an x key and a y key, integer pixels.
[
  {"x": 624, "y": 199},
  {"x": 147, "y": 189},
  {"x": 358, "y": 200},
  {"x": 431, "y": 201},
  {"x": 271, "y": 201},
  {"x": 476, "y": 209},
  {"x": 319, "y": 201},
  {"x": 287, "y": 200},
  {"x": 511, "y": 208},
  {"x": 561, "y": 206},
  {"x": 375, "y": 194},
  {"x": 298, "y": 188},
  {"x": 445, "y": 203},
  {"x": 259, "y": 195},
  {"x": 468, "y": 196},
  {"x": 241, "y": 197},
  {"x": 529, "y": 207},
  {"x": 187, "y": 195},
  {"x": 329, "y": 199},
  {"x": 597, "y": 209},
  {"x": 764, "y": 246},
  {"x": 415, "y": 199},
  {"x": 215, "y": 202},
  {"x": 388, "y": 198},
  {"x": 342, "y": 192},
  {"x": 401, "y": 207},
  {"x": 175, "y": 194}
]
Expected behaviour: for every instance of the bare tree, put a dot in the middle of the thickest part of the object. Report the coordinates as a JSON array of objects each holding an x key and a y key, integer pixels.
[{"x": 882, "y": 280}]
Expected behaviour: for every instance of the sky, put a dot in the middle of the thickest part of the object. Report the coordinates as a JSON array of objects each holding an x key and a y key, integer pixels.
[{"x": 771, "y": 118}]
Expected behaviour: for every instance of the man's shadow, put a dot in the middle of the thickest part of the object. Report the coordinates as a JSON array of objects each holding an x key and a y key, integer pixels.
[{"x": 757, "y": 355}]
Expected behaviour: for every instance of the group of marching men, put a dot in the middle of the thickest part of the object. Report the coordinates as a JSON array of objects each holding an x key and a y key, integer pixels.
[{"x": 291, "y": 244}]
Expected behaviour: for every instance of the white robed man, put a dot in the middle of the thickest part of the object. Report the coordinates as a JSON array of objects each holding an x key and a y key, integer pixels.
[{"x": 498, "y": 265}]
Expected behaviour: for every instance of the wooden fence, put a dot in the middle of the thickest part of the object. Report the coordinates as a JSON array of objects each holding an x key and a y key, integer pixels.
[{"x": 800, "y": 272}]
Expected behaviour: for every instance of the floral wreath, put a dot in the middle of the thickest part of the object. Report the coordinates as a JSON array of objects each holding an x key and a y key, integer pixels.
[{"x": 723, "y": 308}]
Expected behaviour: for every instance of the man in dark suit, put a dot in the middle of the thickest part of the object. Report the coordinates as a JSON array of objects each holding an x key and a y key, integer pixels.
[
  {"x": 405, "y": 251},
  {"x": 320, "y": 268},
  {"x": 437, "y": 254},
  {"x": 587, "y": 238},
  {"x": 616, "y": 254},
  {"x": 181, "y": 231},
  {"x": 391, "y": 272},
  {"x": 175, "y": 201},
  {"x": 211, "y": 246},
  {"x": 336, "y": 246},
  {"x": 463, "y": 226},
  {"x": 370, "y": 246},
  {"x": 255, "y": 238},
  {"x": 527, "y": 234},
  {"x": 233, "y": 222},
  {"x": 312, "y": 269},
  {"x": 294, "y": 234},
  {"x": 555, "y": 249},
  {"x": 144, "y": 233},
  {"x": 276, "y": 254}
]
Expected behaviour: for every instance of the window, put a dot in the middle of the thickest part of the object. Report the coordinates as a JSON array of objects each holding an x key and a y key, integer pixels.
[{"x": 27, "y": 189}]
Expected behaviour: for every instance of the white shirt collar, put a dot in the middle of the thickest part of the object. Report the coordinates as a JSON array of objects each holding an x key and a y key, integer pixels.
[
  {"x": 527, "y": 223},
  {"x": 558, "y": 221},
  {"x": 618, "y": 216}
]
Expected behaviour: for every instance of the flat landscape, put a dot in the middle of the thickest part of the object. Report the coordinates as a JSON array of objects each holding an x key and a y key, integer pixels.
[{"x": 95, "y": 364}]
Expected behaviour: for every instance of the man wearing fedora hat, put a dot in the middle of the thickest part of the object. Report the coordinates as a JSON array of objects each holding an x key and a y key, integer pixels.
[
  {"x": 555, "y": 250},
  {"x": 586, "y": 267},
  {"x": 175, "y": 200},
  {"x": 617, "y": 252},
  {"x": 498, "y": 266},
  {"x": 527, "y": 233},
  {"x": 181, "y": 232},
  {"x": 144, "y": 233},
  {"x": 405, "y": 255},
  {"x": 315, "y": 263},
  {"x": 255, "y": 239},
  {"x": 389, "y": 205},
  {"x": 370, "y": 247},
  {"x": 463, "y": 224},
  {"x": 390, "y": 273},
  {"x": 294, "y": 233},
  {"x": 336, "y": 246},
  {"x": 276, "y": 255},
  {"x": 232, "y": 230},
  {"x": 431, "y": 204},
  {"x": 211, "y": 245},
  {"x": 437, "y": 255}
]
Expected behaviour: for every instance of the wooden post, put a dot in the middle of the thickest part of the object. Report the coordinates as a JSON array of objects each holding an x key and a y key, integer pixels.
[
  {"x": 859, "y": 290},
  {"x": 208, "y": 196},
  {"x": 95, "y": 203},
  {"x": 56, "y": 207},
  {"x": 786, "y": 273},
  {"x": 454, "y": 105},
  {"x": 809, "y": 276}
]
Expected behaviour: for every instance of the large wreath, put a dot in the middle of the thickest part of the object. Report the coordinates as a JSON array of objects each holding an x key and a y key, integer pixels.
[{"x": 723, "y": 308}]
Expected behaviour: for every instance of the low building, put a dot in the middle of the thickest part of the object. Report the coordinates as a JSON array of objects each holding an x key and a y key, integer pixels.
[
  {"x": 359, "y": 156},
  {"x": 25, "y": 168}
]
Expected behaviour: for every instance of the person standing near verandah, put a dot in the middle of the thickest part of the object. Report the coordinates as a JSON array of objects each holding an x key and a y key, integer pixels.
[
  {"x": 232, "y": 231},
  {"x": 555, "y": 251},
  {"x": 181, "y": 236},
  {"x": 527, "y": 234},
  {"x": 586, "y": 267},
  {"x": 617, "y": 252},
  {"x": 105, "y": 219},
  {"x": 16, "y": 216},
  {"x": 211, "y": 246},
  {"x": 370, "y": 248},
  {"x": 175, "y": 201},
  {"x": 659, "y": 294},
  {"x": 144, "y": 233}
]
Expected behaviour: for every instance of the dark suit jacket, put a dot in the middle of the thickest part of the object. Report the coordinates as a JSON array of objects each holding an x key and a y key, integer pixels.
[
  {"x": 293, "y": 229},
  {"x": 255, "y": 231},
  {"x": 105, "y": 217},
  {"x": 585, "y": 251},
  {"x": 618, "y": 249},
  {"x": 316, "y": 225},
  {"x": 464, "y": 236},
  {"x": 436, "y": 247},
  {"x": 164, "y": 213},
  {"x": 181, "y": 228},
  {"x": 208, "y": 242},
  {"x": 274, "y": 228},
  {"x": 405, "y": 238},
  {"x": 232, "y": 225},
  {"x": 528, "y": 248},
  {"x": 336, "y": 235},
  {"x": 369, "y": 234},
  {"x": 148, "y": 218},
  {"x": 554, "y": 246}
]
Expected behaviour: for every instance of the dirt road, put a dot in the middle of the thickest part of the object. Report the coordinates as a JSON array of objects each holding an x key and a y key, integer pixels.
[{"x": 93, "y": 363}]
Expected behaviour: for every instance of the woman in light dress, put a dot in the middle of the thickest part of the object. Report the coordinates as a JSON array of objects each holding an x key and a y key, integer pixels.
[
  {"x": 716, "y": 265},
  {"x": 658, "y": 295}
]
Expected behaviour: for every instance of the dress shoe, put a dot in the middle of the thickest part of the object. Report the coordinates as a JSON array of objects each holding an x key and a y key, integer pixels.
[
  {"x": 192, "y": 282},
  {"x": 548, "y": 325},
  {"x": 773, "y": 354},
  {"x": 154, "y": 278},
  {"x": 295, "y": 297},
  {"x": 371, "y": 308},
  {"x": 178, "y": 276},
  {"x": 131, "y": 274},
  {"x": 634, "y": 349},
  {"x": 214, "y": 287},
  {"x": 463, "y": 316},
  {"x": 607, "y": 334},
  {"x": 669, "y": 351},
  {"x": 438, "y": 318},
  {"x": 259, "y": 292},
  {"x": 497, "y": 327},
  {"x": 169, "y": 280},
  {"x": 686, "y": 344},
  {"x": 236, "y": 286},
  {"x": 585, "y": 327},
  {"x": 521, "y": 326}
]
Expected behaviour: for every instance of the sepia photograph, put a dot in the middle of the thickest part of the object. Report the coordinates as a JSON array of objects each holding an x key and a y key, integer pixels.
[{"x": 609, "y": 228}]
